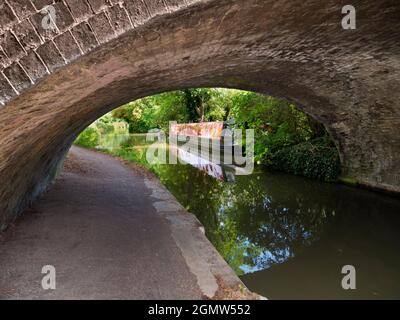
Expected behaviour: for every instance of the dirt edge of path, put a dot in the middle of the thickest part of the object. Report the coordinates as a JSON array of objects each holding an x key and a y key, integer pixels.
[{"x": 215, "y": 277}]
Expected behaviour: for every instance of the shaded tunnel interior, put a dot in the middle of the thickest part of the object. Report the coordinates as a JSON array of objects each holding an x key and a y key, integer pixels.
[{"x": 347, "y": 81}]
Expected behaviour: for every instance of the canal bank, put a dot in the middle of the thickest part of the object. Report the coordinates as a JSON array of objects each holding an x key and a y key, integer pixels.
[
  {"x": 112, "y": 232},
  {"x": 286, "y": 236}
]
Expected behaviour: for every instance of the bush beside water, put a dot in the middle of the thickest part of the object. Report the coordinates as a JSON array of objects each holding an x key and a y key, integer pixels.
[
  {"x": 89, "y": 138},
  {"x": 316, "y": 159}
]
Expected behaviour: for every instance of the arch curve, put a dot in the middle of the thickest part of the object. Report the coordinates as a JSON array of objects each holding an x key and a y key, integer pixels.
[{"x": 105, "y": 53}]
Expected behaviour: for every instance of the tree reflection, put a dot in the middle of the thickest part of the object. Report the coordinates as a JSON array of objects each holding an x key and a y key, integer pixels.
[{"x": 256, "y": 222}]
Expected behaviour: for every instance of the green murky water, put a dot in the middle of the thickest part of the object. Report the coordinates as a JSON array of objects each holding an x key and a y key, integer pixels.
[{"x": 287, "y": 236}]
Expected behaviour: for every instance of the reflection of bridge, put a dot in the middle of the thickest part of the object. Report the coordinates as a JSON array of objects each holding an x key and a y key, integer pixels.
[
  {"x": 208, "y": 146},
  {"x": 217, "y": 171}
]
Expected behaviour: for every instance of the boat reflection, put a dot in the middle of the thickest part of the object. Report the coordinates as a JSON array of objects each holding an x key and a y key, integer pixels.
[{"x": 224, "y": 173}]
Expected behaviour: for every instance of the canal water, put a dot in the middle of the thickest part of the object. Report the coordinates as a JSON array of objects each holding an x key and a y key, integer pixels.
[{"x": 289, "y": 237}]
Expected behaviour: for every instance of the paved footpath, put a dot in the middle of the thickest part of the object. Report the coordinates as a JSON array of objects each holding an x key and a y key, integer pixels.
[{"x": 111, "y": 232}]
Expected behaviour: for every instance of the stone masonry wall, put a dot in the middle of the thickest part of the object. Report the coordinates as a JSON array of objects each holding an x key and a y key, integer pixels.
[
  {"x": 28, "y": 52},
  {"x": 104, "y": 53}
]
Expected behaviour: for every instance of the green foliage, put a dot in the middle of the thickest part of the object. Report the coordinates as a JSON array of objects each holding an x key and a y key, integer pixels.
[
  {"x": 89, "y": 138},
  {"x": 133, "y": 114},
  {"x": 277, "y": 123},
  {"x": 155, "y": 112},
  {"x": 317, "y": 159},
  {"x": 197, "y": 103},
  {"x": 235, "y": 216},
  {"x": 170, "y": 107},
  {"x": 105, "y": 125}
]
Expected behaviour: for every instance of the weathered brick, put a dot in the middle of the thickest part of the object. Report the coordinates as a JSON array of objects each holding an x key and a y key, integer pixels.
[
  {"x": 6, "y": 91},
  {"x": 98, "y": 5},
  {"x": 51, "y": 56},
  {"x": 23, "y": 8},
  {"x": 17, "y": 77},
  {"x": 4, "y": 61},
  {"x": 85, "y": 37},
  {"x": 174, "y": 4},
  {"x": 67, "y": 46},
  {"x": 64, "y": 19},
  {"x": 33, "y": 66},
  {"x": 11, "y": 46},
  {"x": 7, "y": 17},
  {"x": 137, "y": 11},
  {"x": 27, "y": 35},
  {"x": 119, "y": 19},
  {"x": 189, "y": 2},
  {"x": 102, "y": 27},
  {"x": 155, "y": 7},
  {"x": 113, "y": 2},
  {"x": 39, "y": 4},
  {"x": 45, "y": 33},
  {"x": 80, "y": 9}
]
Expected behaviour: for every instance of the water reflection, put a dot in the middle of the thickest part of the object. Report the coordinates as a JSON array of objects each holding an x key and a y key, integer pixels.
[
  {"x": 213, "y": 170},
  {"x": 288, "y": 236},
  {"x": 253, "y": 223}
]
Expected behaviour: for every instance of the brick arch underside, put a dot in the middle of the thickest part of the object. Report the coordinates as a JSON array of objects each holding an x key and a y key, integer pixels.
[{"x": 106, "y": 53}]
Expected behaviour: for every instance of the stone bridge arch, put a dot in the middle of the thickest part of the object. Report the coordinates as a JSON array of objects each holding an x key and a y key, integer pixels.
[{"x": 103, "y": 53}]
